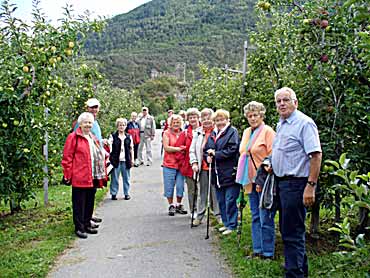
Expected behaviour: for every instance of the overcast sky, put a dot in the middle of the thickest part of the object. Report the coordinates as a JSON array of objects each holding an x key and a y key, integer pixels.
[{"x": 53, "y": 8}]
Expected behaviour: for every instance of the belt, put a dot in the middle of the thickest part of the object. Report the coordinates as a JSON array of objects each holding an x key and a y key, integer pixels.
[{"x": 288, "y": 178}]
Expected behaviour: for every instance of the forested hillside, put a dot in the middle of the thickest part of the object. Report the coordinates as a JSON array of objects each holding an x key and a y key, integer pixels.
[{"x": 163, "y": 33}]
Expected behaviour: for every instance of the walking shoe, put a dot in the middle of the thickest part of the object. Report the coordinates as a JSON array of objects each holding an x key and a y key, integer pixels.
[
  {"x": 93, "y": 225},
  {"x": 96, "y": 219},
  {"x": 171, "y": 210},
  {"x": 81, "y": 234},
  {"x": 127, "y": 197},
  {"x": 222, "y": 229},
  {"x": 180, "y": 209},
  {"x": 114, "y": 197},
  {"x": 149, "y": 163},
  {"x": 227, "y": 232},
  {"x": 196, "y": 222},
  {"x": 91, "y": 230}
]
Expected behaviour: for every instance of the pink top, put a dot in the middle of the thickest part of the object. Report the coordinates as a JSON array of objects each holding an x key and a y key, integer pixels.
[{"x": 169, "y": 159}]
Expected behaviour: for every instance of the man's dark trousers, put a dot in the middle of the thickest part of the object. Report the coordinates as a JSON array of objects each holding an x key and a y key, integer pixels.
[{"x": 292, "y": 225}]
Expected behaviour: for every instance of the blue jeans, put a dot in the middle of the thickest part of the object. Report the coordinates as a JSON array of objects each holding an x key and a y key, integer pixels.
[
  {"x": 263, "y": 226},
  {"x": 171, "y": 178},
  {"x": 226, "y": 198},
  {"x": 121, "y": 169},
  {"x": 292, "y": 226}
]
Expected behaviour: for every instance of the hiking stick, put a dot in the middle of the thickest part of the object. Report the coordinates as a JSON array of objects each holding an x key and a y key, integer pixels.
[
  {"x": 208, "y": 197},
  {"x": 242, "y": 205},
  {"x": 194, "y": 197}
]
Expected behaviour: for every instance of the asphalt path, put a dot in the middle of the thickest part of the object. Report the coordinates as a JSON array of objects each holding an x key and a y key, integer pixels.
[{"x": 138, "y": 239}]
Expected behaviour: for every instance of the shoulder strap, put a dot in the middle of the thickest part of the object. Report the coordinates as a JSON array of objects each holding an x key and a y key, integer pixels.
[{"x": 254, "y": 164}]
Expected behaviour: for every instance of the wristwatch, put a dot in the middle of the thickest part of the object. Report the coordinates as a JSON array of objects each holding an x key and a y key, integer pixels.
[{"x": 312, "y": 183}]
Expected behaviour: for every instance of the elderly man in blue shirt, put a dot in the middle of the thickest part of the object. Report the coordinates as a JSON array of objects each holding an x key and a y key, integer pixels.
[{"x": 296, "y": 160}]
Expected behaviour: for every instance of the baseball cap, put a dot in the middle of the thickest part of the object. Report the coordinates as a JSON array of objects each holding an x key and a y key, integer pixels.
[{"x": 92, "y": 102}]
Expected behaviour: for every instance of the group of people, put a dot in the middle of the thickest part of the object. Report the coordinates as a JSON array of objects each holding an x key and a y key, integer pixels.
[
  {"x": 208, "y": 150},
  {"x": 207, "y": 154},
  {"x": 86, "y": 156}
]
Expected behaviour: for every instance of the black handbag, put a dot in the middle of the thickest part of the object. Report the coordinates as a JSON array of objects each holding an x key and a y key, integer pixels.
[{"x": 65, "y": 181}]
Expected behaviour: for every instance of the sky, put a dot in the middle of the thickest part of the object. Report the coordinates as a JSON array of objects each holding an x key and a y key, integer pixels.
[{"x": 53, "y": 9}]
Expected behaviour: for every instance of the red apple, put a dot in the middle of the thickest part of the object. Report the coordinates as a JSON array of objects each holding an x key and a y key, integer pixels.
[{"x": 324, "y": 23}]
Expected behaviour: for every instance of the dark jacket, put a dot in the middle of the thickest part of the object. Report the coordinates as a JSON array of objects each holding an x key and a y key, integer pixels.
[
  {"x": 226, "y": 156},
  {"x": 116, "y": 149}
]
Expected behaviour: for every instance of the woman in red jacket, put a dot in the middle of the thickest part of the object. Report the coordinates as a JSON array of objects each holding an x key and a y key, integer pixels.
[
  {"x": 184, "y": 140},
  {"x": 84, "y": 168}
]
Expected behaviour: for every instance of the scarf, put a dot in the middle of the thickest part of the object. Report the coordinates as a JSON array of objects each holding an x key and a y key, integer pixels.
[
  {"x": 244, "y": 172},
  {"x": 98, "y": 169}
]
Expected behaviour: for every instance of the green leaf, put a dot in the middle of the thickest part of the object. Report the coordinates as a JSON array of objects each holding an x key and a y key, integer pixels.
[
  {"x": 332, "y": 162},
  {"x": 342, "y": 159},
  {"x": 335, "y": 229}
]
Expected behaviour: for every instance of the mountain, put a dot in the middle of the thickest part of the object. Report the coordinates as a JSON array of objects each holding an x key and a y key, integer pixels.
[{"x": 172, "y": 37}]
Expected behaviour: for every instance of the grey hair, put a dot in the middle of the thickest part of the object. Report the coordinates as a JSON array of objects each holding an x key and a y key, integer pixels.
[
  {"x": 192, "y": 111},
  {"x": 292, "y": 94},
  {"x": 85, "y": 116},
  {"x": 255, "y": 106},
  {"x": 121, "y": 120},
  {"x": 206, "y": 112}
]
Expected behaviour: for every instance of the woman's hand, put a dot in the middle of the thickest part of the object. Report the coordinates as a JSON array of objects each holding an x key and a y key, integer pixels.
[
  {"x": 258, "y": 188},
  {"x": 268, "y": 169},
  {"x": 195, "y": 167}
]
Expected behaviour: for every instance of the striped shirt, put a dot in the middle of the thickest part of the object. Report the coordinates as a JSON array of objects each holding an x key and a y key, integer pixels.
[{"x": 296, "y": 137}]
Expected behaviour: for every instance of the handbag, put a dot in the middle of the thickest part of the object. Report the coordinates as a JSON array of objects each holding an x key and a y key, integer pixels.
[{"x": 64, "y": 181}]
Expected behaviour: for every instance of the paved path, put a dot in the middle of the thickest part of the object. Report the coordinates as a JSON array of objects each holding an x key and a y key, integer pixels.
[{"x": 138, "y": 239}]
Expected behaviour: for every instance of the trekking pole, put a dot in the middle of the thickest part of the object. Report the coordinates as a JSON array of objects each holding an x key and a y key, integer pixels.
[
  {"x": 208, "y": 197},
  {"x": 195, "y": 179},
  {"x": 242, "y": 205}
]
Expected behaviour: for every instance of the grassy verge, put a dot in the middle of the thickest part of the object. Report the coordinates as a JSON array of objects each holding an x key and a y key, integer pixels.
[
  {"x": 322, "y": 261},
  {"x": 31, "y": 240}
]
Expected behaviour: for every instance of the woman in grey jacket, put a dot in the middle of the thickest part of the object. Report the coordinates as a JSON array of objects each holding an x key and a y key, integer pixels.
[{"x": 200, "y": 166}]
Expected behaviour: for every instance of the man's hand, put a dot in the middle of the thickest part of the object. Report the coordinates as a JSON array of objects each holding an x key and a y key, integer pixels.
[
  {"x": 309, "y": 196},
  {"x": 258, "y": 188}
]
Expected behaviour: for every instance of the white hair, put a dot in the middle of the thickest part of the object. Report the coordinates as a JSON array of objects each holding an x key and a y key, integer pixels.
[
  {"x": 292, "y": 94},
  {"x": 85, "y": 116}
]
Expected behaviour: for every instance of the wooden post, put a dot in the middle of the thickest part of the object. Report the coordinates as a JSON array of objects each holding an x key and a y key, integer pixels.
[{"x": 45, "y": 151}]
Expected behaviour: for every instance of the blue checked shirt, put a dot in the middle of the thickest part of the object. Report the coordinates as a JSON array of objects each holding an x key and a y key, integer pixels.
[{"x": 296, "y": 137}]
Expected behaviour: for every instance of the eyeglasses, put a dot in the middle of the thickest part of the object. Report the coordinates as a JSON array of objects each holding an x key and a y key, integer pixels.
[{"x": 283, "y": 100}]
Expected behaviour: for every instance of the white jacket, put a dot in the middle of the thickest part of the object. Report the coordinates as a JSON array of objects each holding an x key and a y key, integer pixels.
[{"x": 196, "y": 151}]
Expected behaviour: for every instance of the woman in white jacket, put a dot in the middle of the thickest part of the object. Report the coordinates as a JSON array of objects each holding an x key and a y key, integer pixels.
[{"x": 200, "y": 166}]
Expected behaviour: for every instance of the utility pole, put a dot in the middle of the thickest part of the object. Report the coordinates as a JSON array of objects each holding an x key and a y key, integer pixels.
[
  {"x": 244, "y": 66},
  {"x": 45, "y": 151}
]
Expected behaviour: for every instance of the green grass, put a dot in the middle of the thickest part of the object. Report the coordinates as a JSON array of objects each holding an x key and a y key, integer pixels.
[
  {"x": 322, "y": 260},
  {"x": 31, "y": 240}
]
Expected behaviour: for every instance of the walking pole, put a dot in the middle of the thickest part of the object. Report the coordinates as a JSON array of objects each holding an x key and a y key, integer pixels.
[
  {"x": 208, "y": 197},
  {"x": 242, "y": 205},
  {"x": 195, "y": 179}
]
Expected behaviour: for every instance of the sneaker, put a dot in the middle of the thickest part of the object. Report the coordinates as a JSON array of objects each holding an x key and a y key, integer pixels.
[
  {"x": 149, "y": 163},
  {"x": 222, "y": 229},
  {"x": 196, "y": 222},
  {"x": 127, "y": 197},
  {"x": 171, "y": 210},
  {"x": 227, "y": 232},
  {"x": 81, "y": 234},
  {"x": 96, "y": 219},
  {"x": 114, "y": 197},
  {"x": 93, "y": 225},
  {"x": 180, "y": 209}
]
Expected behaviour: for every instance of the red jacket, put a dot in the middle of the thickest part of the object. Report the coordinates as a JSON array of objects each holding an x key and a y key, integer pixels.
[
  {"x": 185, "y": 139},
  {"x": 76, "y": 162}
]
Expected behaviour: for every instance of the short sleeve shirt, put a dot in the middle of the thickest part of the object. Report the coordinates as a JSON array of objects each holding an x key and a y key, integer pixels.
[{"x": 296, "y": 138}]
